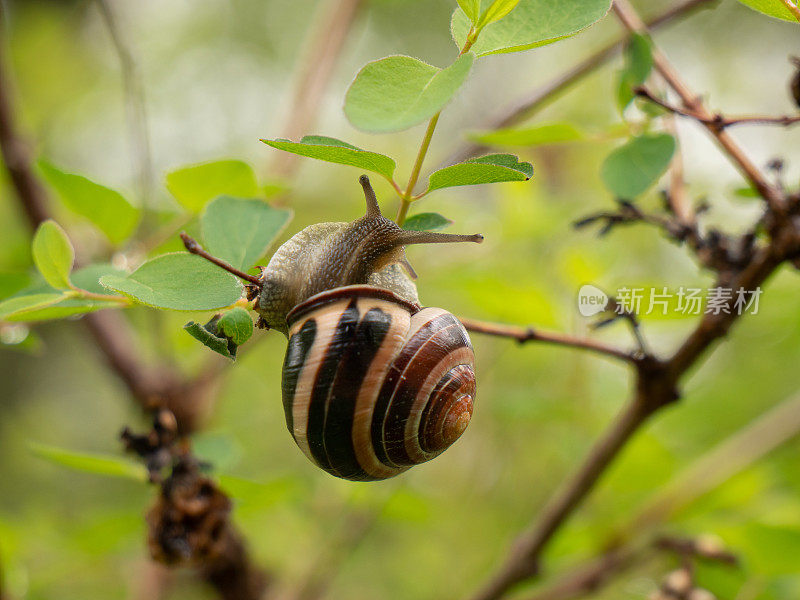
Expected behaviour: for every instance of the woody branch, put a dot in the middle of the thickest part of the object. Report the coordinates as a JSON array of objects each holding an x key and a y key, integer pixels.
[{"x": 657, "y": 381}]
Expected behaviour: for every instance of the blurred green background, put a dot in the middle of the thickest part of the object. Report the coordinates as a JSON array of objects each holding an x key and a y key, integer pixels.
[{"x": 218, "y": 76}]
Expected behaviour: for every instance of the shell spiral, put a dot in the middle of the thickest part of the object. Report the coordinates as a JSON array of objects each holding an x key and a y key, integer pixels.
[{"x": 372, "y": 384}]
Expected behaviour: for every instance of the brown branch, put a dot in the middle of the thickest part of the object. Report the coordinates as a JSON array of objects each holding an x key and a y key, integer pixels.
[
  {"x": 16, "y": 155},
  {"x": 773, "y": 196},
  {"x": 333, "y": 23},
  {"x": 657, "y": 381},
  {"x": 793, "y": 8},
  {"x": 717, "y": 120},
  {"x": 623, "y": 547},
  {"x": 543, "y": 96},
  {"x": 529, "y": 334},
  {"x": 194, "y": 248},
  {"x": 654, "y": 390},
  {"x": 677, "y": 196},
  {"x": 224, "y": 564}
]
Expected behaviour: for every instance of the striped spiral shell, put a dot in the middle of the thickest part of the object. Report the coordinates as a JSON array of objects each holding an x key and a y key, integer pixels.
[{"x": 372, "y": 384}]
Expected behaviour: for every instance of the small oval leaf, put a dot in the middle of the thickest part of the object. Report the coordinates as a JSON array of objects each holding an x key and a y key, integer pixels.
[
  {"x": 193, "y": 186},
  {"x": 99, "y": 464},
  {"x": 103, "y": 206},
  {"x": 237, "y": 325},
  {"x": 240, "y": 231},
  {"x": 492, "y": 168},
  {"x": 210, "y": 339},
  {"x": 496, "y": 11},
  {"x": 18, "y": 307},
  {"x": 336, "y": 151},
  {"x": 178, "y": 281},
  {"x": 772, "y": 8},
  {"x": 398, "y": 92},
  {"x": 632, "y": 168},
  {"x": 429, "y": 221},
  {"x": 53, "y": 254},
  {"x": 532, "y": 23}
]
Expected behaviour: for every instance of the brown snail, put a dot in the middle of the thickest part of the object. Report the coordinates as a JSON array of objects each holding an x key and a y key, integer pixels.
[{"x": 373, "y": 383}]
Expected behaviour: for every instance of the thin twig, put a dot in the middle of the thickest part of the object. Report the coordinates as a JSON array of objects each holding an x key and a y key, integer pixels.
[
  {"x": 231, "y": 571},
  {"x": 692, "y": 102},
  {"x": 16, "y": 154},
  {"x": 677, "y": 196},
  {"x": 717, "y": 120},
  {"x": 333, "y": 24},
  {"x": 793, "y": 8},
  {"x": 543, "y": 96},
  {"x": 737, "y": 452},
  {"x": 523, "y": 561},
  {"x": 656, "y": 381},
  {"x": 194, "y": 248},
  {"x": 530, "y": 334},
  {"x": 136, "y": 109}
]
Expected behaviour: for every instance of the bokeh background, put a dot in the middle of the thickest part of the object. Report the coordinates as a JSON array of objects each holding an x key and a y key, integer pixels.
[{"x": 217, "y": 76}]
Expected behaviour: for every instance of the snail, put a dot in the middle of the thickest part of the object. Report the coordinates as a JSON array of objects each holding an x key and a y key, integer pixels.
[{"x": 372, "y": 382}]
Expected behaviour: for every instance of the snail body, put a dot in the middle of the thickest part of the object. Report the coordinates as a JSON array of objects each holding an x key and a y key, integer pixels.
[{"x": 372, "y": 383}]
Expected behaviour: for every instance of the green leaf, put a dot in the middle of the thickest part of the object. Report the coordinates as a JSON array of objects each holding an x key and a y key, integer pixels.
[
  {"x": 106, "y": 208},
  {"x": 638, "y": 64},
  {"x": 532, "y": 23},
  {"x": 747, "y": 192},
  {"x": 639, "y": 58},
  {"x": 471, "y": 8},
  {"x": 496, "y": 11},
  {"x": 53, "y": 254},
  {"x": 771, "y": 8},
  {"x": 224, "y": 333},
  {"x": 178, "y": 281},
  {"x": 631, "y": 169},
  {"x": 492, "y": 168},
  {"x": 398, "y": 92},
  {"x": 240, "y": 231},
  {"x": 207, "y": 335},
  {"x": 237, "y": 325},
  {"x": 538, "y": 135},
  {"x": 87, "y": 279},
  {"x": 195, "y": 185},
  {"x": 13, "y": 282},
  {"x": 336, "y": 151},
  {"x": 100, "y": 464},
  {"x": 429, "y": 221},
  {"x": 16, "y": 308}
]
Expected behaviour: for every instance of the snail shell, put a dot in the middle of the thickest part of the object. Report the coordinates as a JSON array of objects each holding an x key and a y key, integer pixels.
[{"x": 373, "y": 384}]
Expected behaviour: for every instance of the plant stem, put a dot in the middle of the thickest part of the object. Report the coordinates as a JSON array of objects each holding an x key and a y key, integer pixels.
[
  {"x": 630, "y": 19},
  {"x": 793, "y": 8},
  {"x": 530, "y": 334},
  {"x": 412, "y": 181},
  {"x": 407, "y": 196},
  {"x": 87, "y": 295}
]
